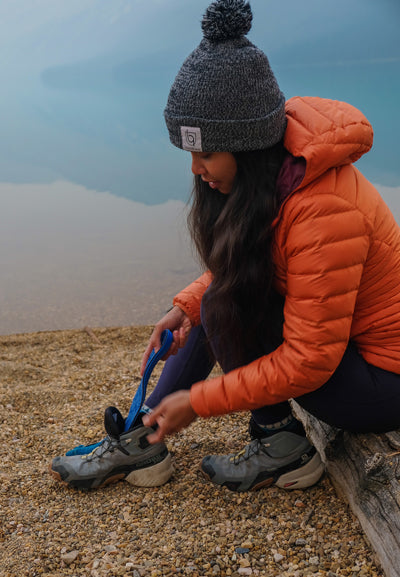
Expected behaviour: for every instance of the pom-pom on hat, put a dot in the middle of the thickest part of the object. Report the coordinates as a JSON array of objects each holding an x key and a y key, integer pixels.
[{"x": 225, "y": 97}]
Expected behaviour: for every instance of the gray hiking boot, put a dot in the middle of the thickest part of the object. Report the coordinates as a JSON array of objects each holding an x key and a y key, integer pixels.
[
  {"x": 284, "y": 459},
  {"x": 127, "y": 456}
]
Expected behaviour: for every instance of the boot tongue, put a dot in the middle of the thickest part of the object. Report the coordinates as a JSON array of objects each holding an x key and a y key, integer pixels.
[{"x": 114, "y": 422}]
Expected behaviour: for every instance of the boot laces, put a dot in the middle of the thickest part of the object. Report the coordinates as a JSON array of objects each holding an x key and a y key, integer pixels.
[
  {"x": 248, "y": 451},
  {"x": 105, "y": 446}
]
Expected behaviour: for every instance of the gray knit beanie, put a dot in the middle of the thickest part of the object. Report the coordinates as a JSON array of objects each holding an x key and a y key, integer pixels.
[{"x": 225, "y": 97}]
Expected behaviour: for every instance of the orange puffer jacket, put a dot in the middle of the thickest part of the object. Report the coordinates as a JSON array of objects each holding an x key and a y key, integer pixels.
[{"x": 337, "y": 258}]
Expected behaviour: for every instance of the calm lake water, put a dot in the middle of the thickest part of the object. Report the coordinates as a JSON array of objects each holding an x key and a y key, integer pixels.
[{"x": 92, "y": 194}]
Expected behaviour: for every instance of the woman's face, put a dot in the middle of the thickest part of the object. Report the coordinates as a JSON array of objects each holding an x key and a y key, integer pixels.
[{"x": 218, "y": 169}]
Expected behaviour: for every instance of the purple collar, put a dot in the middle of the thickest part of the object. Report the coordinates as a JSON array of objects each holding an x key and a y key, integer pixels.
[{"x": 290, "y": 175}]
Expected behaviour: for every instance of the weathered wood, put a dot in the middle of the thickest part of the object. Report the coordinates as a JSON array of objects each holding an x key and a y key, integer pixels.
[{"x": 365, "y": 470}]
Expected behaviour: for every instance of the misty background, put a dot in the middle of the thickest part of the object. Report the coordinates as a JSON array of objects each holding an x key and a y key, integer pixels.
[{"x": 92, "y": 194}]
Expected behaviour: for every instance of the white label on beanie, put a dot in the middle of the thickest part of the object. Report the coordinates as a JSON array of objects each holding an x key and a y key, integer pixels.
[{"x": 191, "y": 138}]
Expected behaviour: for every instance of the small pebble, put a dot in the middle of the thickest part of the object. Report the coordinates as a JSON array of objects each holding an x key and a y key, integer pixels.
[{"x": 70, "y": 557}]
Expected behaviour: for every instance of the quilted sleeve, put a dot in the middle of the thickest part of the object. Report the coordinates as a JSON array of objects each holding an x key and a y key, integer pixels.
[
  {"x": 189, "y": 299},
  {"x": 324, "y": 248}
]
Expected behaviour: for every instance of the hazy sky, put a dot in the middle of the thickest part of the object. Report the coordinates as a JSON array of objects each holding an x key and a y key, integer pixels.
[
  {"x": 57, "y": 32},
  {"x": 85, "y": 82}
]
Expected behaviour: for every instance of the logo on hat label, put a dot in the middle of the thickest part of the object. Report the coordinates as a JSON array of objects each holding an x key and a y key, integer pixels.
[{"x": 191, "y": 138}]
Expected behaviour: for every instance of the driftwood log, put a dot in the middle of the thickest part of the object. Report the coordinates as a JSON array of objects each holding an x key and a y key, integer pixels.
[{"x": 365, "y": 470}]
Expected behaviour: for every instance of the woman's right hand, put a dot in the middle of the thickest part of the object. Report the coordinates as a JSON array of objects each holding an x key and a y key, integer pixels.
[{"x": 179, "y": 324}]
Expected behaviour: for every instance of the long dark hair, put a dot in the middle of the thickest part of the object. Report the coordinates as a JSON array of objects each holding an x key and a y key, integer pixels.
[{"x": 233, "y": 235}]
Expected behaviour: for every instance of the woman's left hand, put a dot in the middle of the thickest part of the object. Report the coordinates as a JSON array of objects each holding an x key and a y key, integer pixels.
[{"x": 173, "y": 414}]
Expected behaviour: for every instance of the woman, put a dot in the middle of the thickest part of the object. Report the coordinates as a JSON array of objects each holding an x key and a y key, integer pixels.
[{"x": 300, "y": 298}]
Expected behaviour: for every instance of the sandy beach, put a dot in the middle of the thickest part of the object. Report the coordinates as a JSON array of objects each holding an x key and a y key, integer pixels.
[{"x": 54, "y": 389}]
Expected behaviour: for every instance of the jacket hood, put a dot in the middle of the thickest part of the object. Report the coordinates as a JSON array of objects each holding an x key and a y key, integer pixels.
[{"x": 327, "y": 133}]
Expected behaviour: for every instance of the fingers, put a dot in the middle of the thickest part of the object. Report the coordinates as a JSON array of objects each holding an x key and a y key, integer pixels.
[
  {"x": 180, "y": 338},
  {"x": 150, "y": 419},
  {"x": 173, "y": 414},
  {"x": 157, "y": 436},
  {"x": 180, "y": 325},
  {"x": 155, "y": 419},
  {"x": 178, "y": 342},
  {"x": 145, "y": 358},
  {"x": 154, "y": 343}
]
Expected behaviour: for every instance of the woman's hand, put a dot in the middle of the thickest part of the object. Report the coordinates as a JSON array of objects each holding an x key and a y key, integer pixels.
[
  {"x": 179, "y": 324},
  {"x": 173, "y": 414}
]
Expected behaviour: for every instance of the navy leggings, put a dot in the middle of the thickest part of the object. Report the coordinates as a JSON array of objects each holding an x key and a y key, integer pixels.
[{"x": 358, "y": 397}]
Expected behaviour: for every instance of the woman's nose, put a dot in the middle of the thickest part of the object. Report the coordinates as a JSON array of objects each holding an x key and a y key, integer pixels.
[{"x": 197, "y": 167}]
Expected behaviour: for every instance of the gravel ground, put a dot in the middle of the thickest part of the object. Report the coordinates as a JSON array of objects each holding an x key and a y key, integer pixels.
[{"x": 54, "y": 388}]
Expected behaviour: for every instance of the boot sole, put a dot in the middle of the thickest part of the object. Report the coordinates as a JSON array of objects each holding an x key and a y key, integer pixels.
[
  {"x": 152, "y": 476},
  {"x": 109, "y": 481},
  {"x": 148, "y": 477},
  {"x": 303, "y": 477}
]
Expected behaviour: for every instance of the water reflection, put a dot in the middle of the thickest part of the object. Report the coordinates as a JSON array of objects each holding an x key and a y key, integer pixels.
[{"x": 72, "y": 257}]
